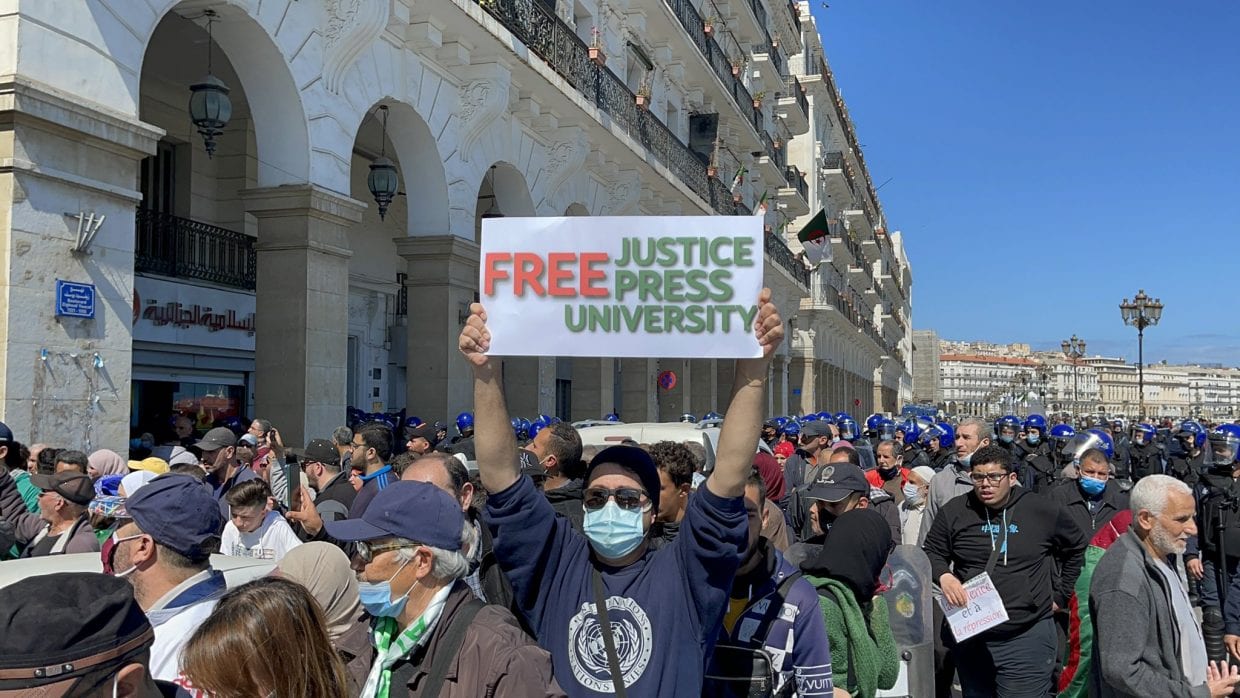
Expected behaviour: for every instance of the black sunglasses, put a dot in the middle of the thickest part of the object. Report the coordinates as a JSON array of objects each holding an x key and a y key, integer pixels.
[{"x": 630, "y": 498}]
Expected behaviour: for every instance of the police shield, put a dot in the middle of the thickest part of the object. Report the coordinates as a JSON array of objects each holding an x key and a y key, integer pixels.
[{"x": 907, "y": 582}]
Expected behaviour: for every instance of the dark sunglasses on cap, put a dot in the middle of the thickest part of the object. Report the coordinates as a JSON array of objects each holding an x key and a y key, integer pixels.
[{"x": 630, "y": 498}]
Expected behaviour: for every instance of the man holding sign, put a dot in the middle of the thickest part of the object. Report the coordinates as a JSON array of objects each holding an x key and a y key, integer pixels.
[
  {"x": 660, "y": 610},
  {"x": 994, "y": 552}
]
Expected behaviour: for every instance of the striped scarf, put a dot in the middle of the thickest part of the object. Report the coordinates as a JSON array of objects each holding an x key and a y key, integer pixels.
[{"x": 391, "y": 646}]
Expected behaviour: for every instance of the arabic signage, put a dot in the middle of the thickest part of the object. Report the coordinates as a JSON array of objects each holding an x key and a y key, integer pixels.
[
  {"x": 643, "y": 286},
  {"x": 74, "y": 299},
  {"x": 174, "y": 313}
]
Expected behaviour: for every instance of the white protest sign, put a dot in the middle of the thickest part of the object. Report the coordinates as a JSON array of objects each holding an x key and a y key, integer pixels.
[
  {"x": 983, "y": 611},
  {"x": 641, "y": 286}
]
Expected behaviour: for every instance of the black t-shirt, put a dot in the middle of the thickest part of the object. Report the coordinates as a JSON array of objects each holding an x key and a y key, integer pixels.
[{"x": 43, "y": 547}]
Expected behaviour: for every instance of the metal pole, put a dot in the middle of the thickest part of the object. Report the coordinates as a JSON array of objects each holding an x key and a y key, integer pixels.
[
  {"x": 1075, "y": 401},
  {"x": 1141, "y": 369}
]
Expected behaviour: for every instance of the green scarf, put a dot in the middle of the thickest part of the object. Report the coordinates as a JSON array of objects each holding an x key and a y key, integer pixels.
[
  {"x": 864, "y": 656},
  {"x": 391, "y": 644}
]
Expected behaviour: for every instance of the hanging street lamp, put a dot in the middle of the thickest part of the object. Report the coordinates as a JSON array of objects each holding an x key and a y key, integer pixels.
[
  {"x": 383, "y": 180},
  {"x": 209, "y": 105}
]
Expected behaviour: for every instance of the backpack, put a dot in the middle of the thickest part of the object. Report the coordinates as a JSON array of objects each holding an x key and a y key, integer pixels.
[{"x": 749, "y": 672}]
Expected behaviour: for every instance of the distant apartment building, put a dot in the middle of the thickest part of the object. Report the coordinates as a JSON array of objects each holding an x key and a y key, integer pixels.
[{"x": 927, "y": 388}]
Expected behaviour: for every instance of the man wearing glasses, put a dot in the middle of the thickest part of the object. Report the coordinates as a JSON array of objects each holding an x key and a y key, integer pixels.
[
  {"x": 661, "y": 610},
  {"x": 410, "y": 559},
  {"x": 1017, "y": 537}
]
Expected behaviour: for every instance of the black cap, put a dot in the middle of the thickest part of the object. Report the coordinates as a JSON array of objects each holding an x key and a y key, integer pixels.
[
  {"x": 57, "y": 628},
  {"x": 321, "y": 451},
  {"x": 426, "y": 431},
  {"x": 836, "y": 481},
  {"x": 75, "y": 487},
  {"x": 816, "y": 428},
  {"x": 630, "y": 458}
]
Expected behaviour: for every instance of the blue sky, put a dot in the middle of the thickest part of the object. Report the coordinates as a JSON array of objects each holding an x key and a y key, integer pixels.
[{"x": 1048, "y": 159}]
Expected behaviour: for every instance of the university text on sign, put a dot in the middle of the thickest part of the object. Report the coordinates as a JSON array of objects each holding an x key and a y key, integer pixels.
[{"x": 616, "y": 286}]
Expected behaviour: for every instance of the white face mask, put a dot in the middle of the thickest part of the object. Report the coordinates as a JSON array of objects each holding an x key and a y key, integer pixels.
[{"x": 912, "y": 494}]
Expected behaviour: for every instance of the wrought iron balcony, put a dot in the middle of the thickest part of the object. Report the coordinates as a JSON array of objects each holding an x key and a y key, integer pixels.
[
  {"x": 798, "y": 93},
  {"x": 777, "y": 154},
  {"x": 796, "y": 180},
  {"x": 187, "y": 249},
  {"x": 691, "y": 20},
  {"x": 779, "y": 253},
  {"x": 548, "y": 37},
  {"x": 759, "y": 12}
]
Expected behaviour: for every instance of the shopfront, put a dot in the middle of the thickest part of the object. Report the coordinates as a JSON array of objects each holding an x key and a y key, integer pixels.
[{"x": 193, "y": 353}]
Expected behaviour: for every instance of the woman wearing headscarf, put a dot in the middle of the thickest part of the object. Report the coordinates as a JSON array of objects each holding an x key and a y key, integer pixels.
[
  {"x": 772, "y": 474},
  {"x": 324, "y": 570},
  {"x": 864, "y": 657},
  {"x": 104, "y": 462}
]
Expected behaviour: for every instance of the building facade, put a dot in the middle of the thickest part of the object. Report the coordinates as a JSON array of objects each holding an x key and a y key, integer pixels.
[
  {"x": 927, "y": 383},
  {"x": 987, "y": 385},
  {"x": 852, "y": 346},
  {"x": 246, "y": 267}
]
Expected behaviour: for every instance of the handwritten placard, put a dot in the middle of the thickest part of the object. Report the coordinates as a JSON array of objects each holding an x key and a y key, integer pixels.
[
  {"x": 645, "y": 286},
  {"x": 983, "y": 611}
]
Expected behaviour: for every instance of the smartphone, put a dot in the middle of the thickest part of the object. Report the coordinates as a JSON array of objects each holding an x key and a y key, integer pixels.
[{"x": 292, "y": 476}]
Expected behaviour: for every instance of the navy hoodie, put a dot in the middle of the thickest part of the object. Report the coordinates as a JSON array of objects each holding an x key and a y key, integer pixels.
[{"x": 665, "y": 609}]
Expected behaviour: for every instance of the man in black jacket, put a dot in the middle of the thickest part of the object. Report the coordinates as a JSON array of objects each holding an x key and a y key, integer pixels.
[
  {"x": 557, "y": 467},
  {"x": 1093, "y": 498},
  {"x": 1016, "y": 537},
  {"x": 1144, "y": 456}
]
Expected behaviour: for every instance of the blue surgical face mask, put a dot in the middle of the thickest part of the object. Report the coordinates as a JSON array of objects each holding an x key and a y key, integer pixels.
[
  {"x": 964, "y": 460},
  {"x": 614, "y": 532},
  {"x": 912, "y": 494},
  {"x": 377, "y": 599},
  {"x": 1092, "y": 486},
  {"x": 1033, "y": 439},
  {"x": 1006, "y": 438}
]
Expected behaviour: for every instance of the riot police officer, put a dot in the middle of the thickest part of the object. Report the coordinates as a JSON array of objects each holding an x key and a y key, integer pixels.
[
  {"x": 1189, "y": 460},
  {"x": 909, "y": 433},
  {"x": 1213, "y": 556},
  {"x": 1007, "y": 432},
  {"x": 1037, "y": 470},
  {"x": 1144, "y": 455},
  {"x": 939, "y": 444}
]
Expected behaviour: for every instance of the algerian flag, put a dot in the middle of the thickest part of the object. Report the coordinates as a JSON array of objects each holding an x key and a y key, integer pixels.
[
  {"x": 760, "y": 209},
  {"x": 815, "y": 239},
  {"x": 739, "y": 179}
]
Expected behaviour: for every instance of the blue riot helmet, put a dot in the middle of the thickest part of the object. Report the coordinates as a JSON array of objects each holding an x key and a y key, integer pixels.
[
  {"x": 687, "y": 418},
  {"x": 826, "y": 417},
  {"x": 792, "y": 429},
  {"x": 1035, "y": 429},
  {"x": 518, "y": 429},
  {"x": 849, "y": 429},
  {"x": 1224, "y": 447},
  {"x": 711, "y": 415},
  {"x": 532, "y": 430},
  {"x": 1143, "y": 434},
  {"x": 941, "y": 431},
  {"x": 873, "y": 423},
  {"x": 1191, "y": 431},
  {"x": 886, "y": 429},
  {"x": 811, "y": 417},
  {"x": 1007, "y": 421},
  {"x": 613, "y": 417},
  {"x": 1060, "y": 434},
  {"x": 911, "y": 430},
  {"x": 464, "y": 422},
  {"x": 414, "y": 421},
  {"x": 780, "y": 422},
  {"x": 1085, "y": 440}
]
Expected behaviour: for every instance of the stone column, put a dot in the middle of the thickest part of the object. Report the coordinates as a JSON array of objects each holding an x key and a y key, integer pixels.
[
  {"x": 66, "y": 380},
  {"x": 783, "y": 405},
  {"x": 443, "y": 277},
  {"x": 302, "y": 299}
]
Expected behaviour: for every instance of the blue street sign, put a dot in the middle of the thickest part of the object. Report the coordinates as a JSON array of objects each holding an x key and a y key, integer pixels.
[{"x": 75, "y": 300}]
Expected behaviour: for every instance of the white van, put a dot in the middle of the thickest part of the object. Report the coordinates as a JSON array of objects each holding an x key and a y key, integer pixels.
[
  {"x": 613, "y": 434},
  {"x": 237, "y": 570}
]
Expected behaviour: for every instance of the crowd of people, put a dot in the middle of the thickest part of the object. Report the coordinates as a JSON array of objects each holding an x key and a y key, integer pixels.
[{"x": 512, "y": 560}]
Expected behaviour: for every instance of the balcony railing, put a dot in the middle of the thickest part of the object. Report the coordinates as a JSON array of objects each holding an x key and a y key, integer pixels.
[
  {"x": 777, "y": 154},
  {"x": 798, "y": 92},
  {"x": 796, "y": 180},
  {"x": 187, "y": 249},
  {"x": 548, "y": 37},
  {"x": 759, "y": 12},
  {"x": 796, "y": 14},
  {"x": 691, "y": 20},
  {"x": 779, "y": 253}
]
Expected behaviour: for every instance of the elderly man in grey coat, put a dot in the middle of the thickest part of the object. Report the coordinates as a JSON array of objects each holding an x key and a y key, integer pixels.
[{"x": 1146, "y": 640}]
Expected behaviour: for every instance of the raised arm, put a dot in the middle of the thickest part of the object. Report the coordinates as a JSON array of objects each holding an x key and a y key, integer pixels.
[
  {"x": 738, "y": 439},
  {"x": 494, "y": 443}
]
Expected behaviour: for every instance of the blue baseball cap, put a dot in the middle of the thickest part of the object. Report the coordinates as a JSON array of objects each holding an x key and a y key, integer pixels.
[
  {"x": 179, "y": 512},
  {"x": 416, "y": 511}
]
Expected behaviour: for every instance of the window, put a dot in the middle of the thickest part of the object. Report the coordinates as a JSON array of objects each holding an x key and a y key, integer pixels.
[{"x": 158, "y": 179}]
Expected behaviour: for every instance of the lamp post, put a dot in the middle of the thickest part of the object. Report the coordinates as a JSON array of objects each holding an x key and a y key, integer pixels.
[
  {"x": 1074, "y": 349},
  {"x": 1141, "y": 312}
]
